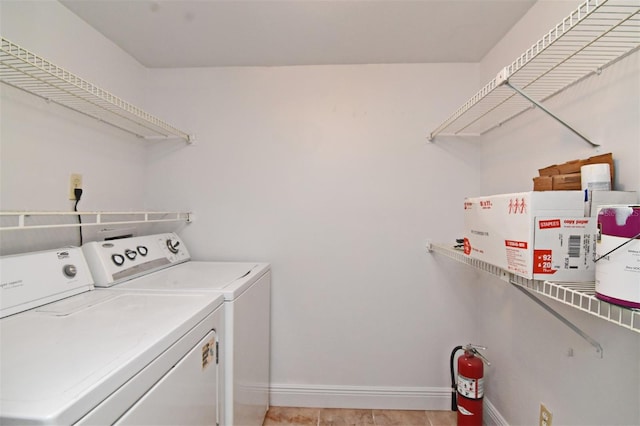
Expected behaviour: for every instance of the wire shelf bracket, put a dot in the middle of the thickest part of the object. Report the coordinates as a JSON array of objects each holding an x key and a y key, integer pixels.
[
  {"x": 549, "y": 113},
  {"x": 593, "y": 37},
  {"x": 33, "y": 74},
  {"x": 563, "y": 320},
  {"x": 579, "y": 295}
]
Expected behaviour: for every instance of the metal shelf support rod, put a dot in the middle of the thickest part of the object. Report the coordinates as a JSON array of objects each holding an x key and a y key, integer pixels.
[
  {"x": 551, "y": 114},
  {"x": 562, "y": 319}
]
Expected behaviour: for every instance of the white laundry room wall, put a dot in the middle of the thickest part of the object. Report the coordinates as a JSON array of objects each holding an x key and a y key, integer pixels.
[
  {"x": 42, "y": 143},
  {"x": 535, "y": 357},
  {"x": 326, "y": 172}
]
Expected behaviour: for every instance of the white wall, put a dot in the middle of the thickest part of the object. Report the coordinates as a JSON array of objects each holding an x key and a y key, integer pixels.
[
  {"x": 537, "y": 22},
  {"x": 325, "y": 172},
  {"x": 528, "y": 347},
  {"x": 42, "y": 143},
  {"x": 51, "y": 31}
]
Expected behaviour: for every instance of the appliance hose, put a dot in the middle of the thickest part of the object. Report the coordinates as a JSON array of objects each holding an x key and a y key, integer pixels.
[{"x": 454, "y": 404}]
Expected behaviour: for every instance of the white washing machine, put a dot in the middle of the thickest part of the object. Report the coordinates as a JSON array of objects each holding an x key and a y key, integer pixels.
[
  {"x": 103, "y": 357},
  {"x": 165, "y": 265}
]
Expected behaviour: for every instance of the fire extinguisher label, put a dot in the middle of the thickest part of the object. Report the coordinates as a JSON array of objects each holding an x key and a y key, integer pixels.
[{"x": 470, "y": 388}]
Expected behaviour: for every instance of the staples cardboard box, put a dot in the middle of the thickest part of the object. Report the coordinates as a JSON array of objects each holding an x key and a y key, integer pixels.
[{"x": 539, "y": 235}]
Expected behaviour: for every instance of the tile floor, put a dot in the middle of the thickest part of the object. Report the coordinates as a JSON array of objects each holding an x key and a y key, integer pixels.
[{"x": 277, "y": 416}]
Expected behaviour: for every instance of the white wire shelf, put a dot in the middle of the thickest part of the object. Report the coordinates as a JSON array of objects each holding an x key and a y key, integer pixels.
[
  {"x": 18, "y": 220},
  {"x": 595, "y": 35},
  {"x": 27, "y": 71},
  {"x": 579, "y": 295}
]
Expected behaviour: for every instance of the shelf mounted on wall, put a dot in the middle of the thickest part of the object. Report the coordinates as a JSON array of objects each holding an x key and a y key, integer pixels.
[
  {"x": 504, "y": 79},
  {"x": 580, "y": 296},
  {"x": 594, "y": 36},
  {"x": 23, "y": 220},
  {"x": 31, "y": 73}
]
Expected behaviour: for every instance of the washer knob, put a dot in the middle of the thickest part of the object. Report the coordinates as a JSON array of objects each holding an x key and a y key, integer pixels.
[
  {"x": 69, "y": 271},
  {"x": 131, "y": 254},
  {"x": 173, "y": 247},
  {"x": 142, "y": 250},
  {"x": 118, "y": 259}
]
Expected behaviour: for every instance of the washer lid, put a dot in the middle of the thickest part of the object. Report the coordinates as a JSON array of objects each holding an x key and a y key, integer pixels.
[
  {"x": 228, "y": 278},
  {"x": 61, "y": 360}
]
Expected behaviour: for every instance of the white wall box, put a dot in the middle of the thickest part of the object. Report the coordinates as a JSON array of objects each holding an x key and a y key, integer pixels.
[
  {"x": 595, "y": 35},
  {"x": 508, "y": 230},
  {"x": 27, "y": 71}
]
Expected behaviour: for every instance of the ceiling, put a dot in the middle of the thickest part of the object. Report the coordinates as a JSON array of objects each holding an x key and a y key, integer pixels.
[{"x": 204, "y": 33}]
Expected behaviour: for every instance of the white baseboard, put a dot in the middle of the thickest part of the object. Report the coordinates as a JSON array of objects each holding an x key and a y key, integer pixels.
[
  {"x": 492, "y": 416},
  {"x": 373, "y": 397},
  {"x": 391, "y": 398}
]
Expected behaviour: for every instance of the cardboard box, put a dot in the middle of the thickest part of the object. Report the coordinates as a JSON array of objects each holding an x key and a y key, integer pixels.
[
  {"x": 543, "y": 183},
  {"x": 570, "y": 182},
  {"x": 573, "y": 166},
  {"x": 549, "y": 171},
  {"x": 570, "y": 167},
  {"x": 532, "y": 234},
  {"x": 564, "y": 249}
]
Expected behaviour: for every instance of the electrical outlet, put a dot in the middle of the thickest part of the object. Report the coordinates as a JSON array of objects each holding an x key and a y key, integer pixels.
[
  {"x": 545, "y": 416},
  {"x": 75, "y": 182}
]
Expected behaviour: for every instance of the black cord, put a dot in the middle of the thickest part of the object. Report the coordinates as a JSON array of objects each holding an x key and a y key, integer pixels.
[
  {"x": 77, "y": 192},
  {"x": 454, "y": 404}
]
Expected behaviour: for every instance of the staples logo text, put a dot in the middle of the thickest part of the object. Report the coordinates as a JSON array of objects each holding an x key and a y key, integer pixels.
[{"x": 547, "y": 224}]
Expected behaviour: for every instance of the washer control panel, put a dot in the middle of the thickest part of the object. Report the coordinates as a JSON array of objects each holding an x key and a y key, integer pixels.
[
  {"x": 34, "y": 279},
  {"x": 112, "y": 262}
]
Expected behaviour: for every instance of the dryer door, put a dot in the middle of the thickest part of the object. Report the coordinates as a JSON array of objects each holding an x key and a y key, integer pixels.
[{"x": 186, "y": 395}]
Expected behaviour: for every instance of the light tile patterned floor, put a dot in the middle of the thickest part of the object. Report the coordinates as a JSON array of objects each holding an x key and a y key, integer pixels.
[{"x": 277, "y": 416}]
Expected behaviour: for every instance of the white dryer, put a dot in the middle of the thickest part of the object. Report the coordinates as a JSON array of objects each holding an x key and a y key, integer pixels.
[
  {"x": 103, "y": 357},
  {"x": 164, "y": 264}
]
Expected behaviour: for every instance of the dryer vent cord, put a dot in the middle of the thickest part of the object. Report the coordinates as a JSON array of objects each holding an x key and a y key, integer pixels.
[{"x": 77, "y": 192}]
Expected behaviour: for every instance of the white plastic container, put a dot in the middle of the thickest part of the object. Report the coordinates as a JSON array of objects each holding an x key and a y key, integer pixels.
[{"x": 595, "y": 177}]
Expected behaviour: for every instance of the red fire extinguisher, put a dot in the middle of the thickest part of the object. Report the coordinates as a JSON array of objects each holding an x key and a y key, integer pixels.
[{"x": 467, "y": 392}]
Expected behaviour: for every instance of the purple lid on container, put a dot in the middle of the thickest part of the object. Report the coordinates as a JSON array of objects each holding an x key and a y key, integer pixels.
[{"x": 620, "y": 220}]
